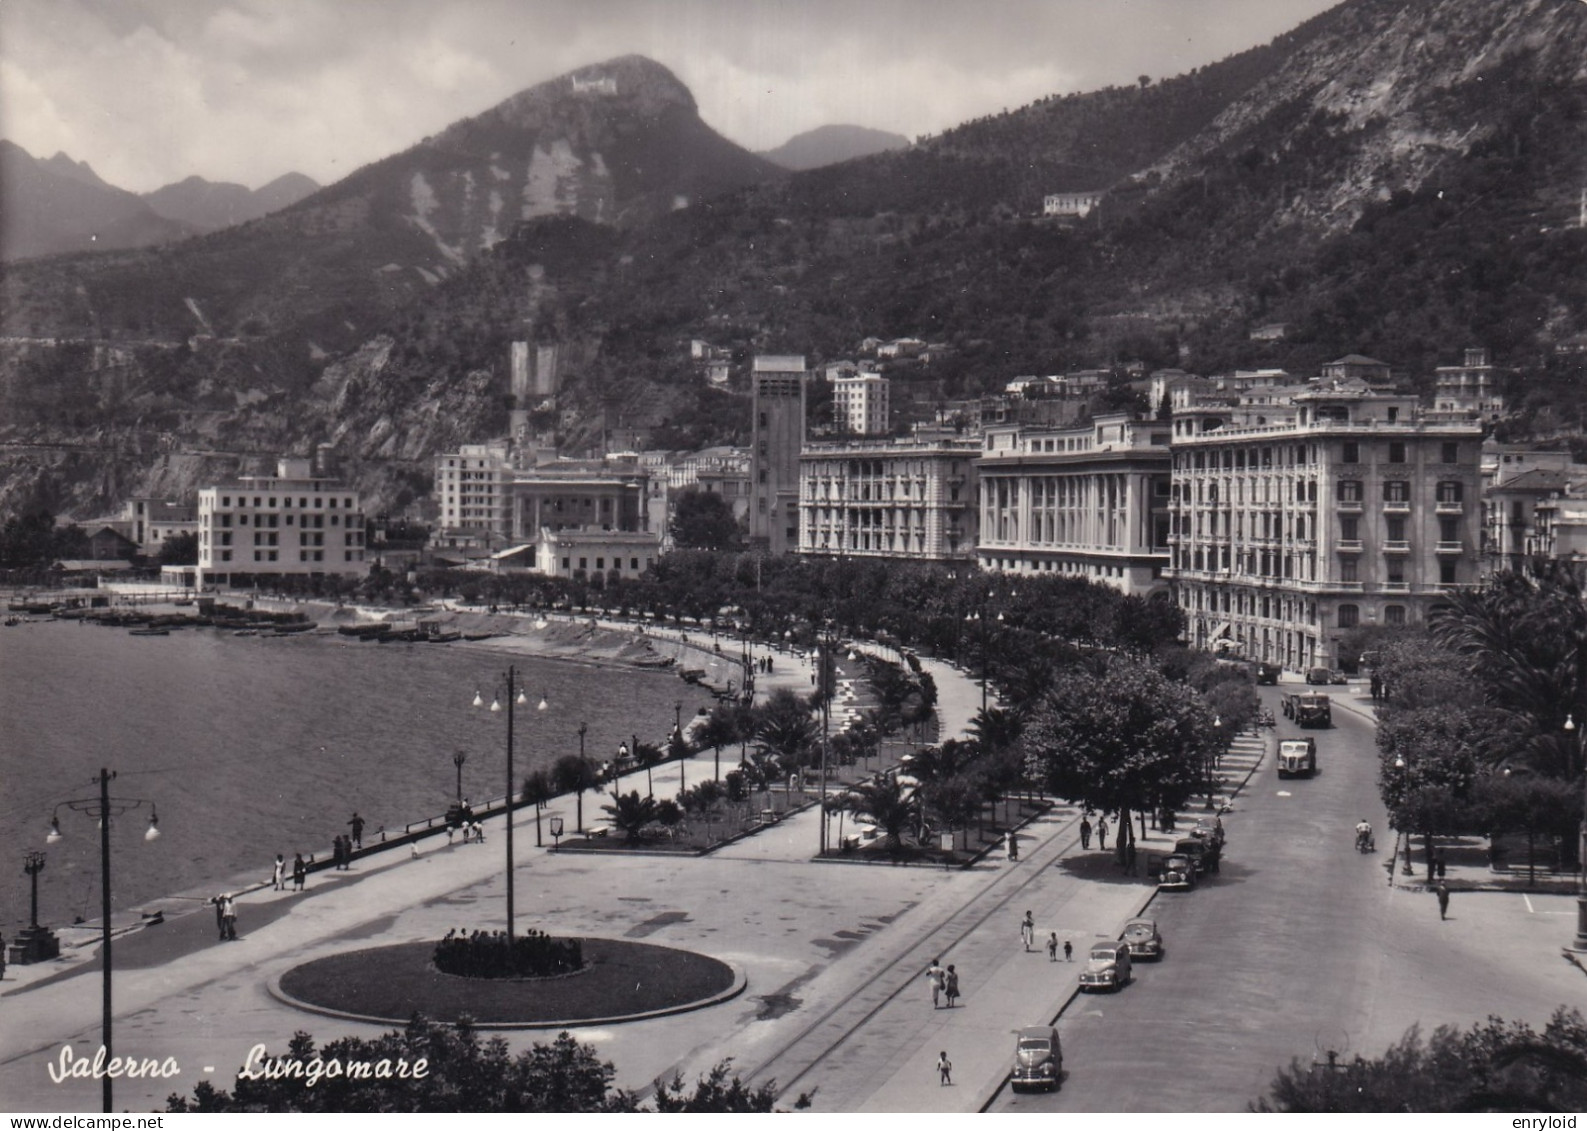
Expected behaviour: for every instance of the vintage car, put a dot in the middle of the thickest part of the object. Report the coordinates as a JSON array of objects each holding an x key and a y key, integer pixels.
[
  {"x": 1297, "y": 757},
  {"x": 1209, "y": 829},
  {"x": 1107, "y": 966},
  {"x": 1205, "y": 856},
  {"x": 1268, "y": 673},
  {"x": 1177, "y": 874},
  {"x": 1038, "y": 1059},
  {"x": 1143, "y": 939}
]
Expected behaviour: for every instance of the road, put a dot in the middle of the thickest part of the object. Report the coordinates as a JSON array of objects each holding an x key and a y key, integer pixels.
[{"x": 1275, "y": 957}]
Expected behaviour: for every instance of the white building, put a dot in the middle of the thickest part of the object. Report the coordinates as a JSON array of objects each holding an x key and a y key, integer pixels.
[
  {"x": 290, "y": 523},
  {"x": 889, "y": 498},
  {"x": 1077, "y": 204},
  {"x": 862, "y": 403}
]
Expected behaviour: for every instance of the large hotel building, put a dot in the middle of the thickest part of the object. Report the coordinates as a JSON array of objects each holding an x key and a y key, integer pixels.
[
  {"x": 296, "y": 521},
  {"x": 1299, "y": 517}
]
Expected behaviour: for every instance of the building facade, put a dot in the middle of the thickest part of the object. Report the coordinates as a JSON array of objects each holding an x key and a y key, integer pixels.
[
  {"x": 1088, "y": 501},
  {"x": 862, "y": 403},
  {"x": 470, "y": 488},
  {"x": 890, "y": 499},
  {"x": 1294, "y": 523},
  {"x": 777, "y": 436},
  {"x": 293, "y": 523}
]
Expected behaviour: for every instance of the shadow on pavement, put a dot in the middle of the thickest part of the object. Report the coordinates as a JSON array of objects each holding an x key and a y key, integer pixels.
[{"x": 1103, "y": 867}]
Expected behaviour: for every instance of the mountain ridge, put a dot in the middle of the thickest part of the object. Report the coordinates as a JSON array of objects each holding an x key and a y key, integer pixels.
[{"x": 830, "y": 144}]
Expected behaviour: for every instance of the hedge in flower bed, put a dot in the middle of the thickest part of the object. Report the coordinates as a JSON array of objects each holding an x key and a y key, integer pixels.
[{"x": 491, "y": 954}]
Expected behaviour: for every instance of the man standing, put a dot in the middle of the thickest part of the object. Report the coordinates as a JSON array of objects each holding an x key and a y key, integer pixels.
[
  {"x": 1085, "y": 833},
  {"x": 937, "y": 976},
  {"x": 300, "y": 872},
  {"x": 278, "y": 874},
  {"x": 1052, "y": 947},
  {"x": 1027, "y": 930},
  {"x": 1443, "y": 900},
  {"x": 357, "y": 839},
  {"x": 1013, "y": 845},
  {"x": 1102, "y": 833}
]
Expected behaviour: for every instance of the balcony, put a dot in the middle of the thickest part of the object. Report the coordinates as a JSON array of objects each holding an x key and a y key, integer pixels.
[
  {"x": 1395, "y": 587},
  {"x": 1348, "y": 546},
  {"x": 1349, "y": 506},
  {"x": 1397, "y": 506},
  {"x": 1449, "y": 508},
  {"x": 1449, "y": 548},
  {"x": 1398, "y": 546}
]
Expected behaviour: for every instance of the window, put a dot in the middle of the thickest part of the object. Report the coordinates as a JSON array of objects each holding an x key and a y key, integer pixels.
[
  {"x": 1348, "y": 570},
  {"x": 1394, "y": 571},
  {"x": 1349, "y": 490},
  {"x": 1396, "y": 491},
  {"x": 1395, "y": 528},
  {"x": 1450, "y": 491},
  {"x": 1449, "y": 529},
  {"x": 1394, "y": 615},
  {"x": 1446, "y": 571},
  {"x": 1351, "y": 453},
  {"x": 1451, "y": 453},
  {"x": 1397, "y": 451},
  {"x": 1350, "y": 528},
  {"x": 1349, "y": 616}
]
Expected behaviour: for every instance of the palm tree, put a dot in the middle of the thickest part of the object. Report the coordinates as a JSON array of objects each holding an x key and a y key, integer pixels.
[
  {"x": 630, "y": 813},
  {"x": 574, "y": 774},
  {"x": 537, "y": 790},
  {"x": 647, "y": 754},
  {"x": 886, "y": 802},
  {"x": 996, "y": 729},
  {"x": 717, "y": 731}
]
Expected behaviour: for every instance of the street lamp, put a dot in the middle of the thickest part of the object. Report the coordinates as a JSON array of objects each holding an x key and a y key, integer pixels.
[
  {"x": 515, "y": 696},
  {"x": 556, "y": 833},
  {"x": 1217, "y": 744},
  {"x": 102, "y": 809},
  {"x": 458, "y": 759},
  {"x": 1579, "y": 944},
  {"x": 1402, "y": 766},
  {"x": 677, "y": 734},
  {"x": 584, "y": 773}
]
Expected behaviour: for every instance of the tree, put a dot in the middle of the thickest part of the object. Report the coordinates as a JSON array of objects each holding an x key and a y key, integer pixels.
[
  {"x": 784, "y": 728},
  {"x": 888, "y": 803},
  {"x": 574, "y": 774},
  {"x": 704, "y": 520},
  {"x": 719, "y": 729},
  {"x": 537, "y": 790},
  {"x": 630, "y": 813},
  {"x": 179, "y": 549},
  {"x": 1117, "y": 735}
]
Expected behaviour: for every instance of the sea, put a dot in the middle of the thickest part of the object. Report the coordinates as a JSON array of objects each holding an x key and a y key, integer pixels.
[{"x": 246, "y": 746}]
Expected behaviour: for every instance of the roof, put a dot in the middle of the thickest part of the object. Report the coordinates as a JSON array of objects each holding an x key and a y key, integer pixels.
[
  {"x": 1535, "y": 479},
  {"x": 1356, "y": 359}
]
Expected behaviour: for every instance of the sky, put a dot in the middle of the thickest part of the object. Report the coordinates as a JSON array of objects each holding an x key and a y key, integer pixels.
[{"x": 151, "y": 91}]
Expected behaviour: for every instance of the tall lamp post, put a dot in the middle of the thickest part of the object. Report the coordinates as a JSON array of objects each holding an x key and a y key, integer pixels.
[
  {"x": 32, "y": 866},
  {"x": 1579, "y": 944},
  {"x": 1217, "y": 744},
  {"x": 1402, "y": 766},
  {"x": 677, "y": 733},
  {"x": 515, "y": 696},
  {"x": 458, "y": 759},
  {"x": 102, "y": 809}
]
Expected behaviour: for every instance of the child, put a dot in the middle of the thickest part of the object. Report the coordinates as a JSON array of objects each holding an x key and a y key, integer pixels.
[
  {"x": 1052, "y": 947},
  {"x": 944, "y": 1068}
]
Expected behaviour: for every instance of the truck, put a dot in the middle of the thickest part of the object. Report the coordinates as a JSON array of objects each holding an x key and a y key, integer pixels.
[
  {"x": 1308, "y": 709},
  {"x": 1297, "y": 757}
]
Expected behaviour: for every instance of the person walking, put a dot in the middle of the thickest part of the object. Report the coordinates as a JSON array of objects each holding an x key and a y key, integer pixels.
[
  {"x": 944, "y": 1068},
  {"x": 1102, "y": 833},
  {"x": 1052, "y": 947},
  {"x": 937, "y": 976},
  {"x": 1027, "y": 930},
  {"x": 950, "y": 985},
  {"x": 2, "y": 958},
  {"x": 220, "y": 916},
  {"x": 357, "y": 839},
  {"x": 228, "y": 916},
  {"x": 1013, "y": 845},
  {"x": 1443, "y": 902},
  {"x": 1085, "y": 833},
  {"x": 1069, "y": 951},
  {"x": 300, "y": 872},
  {"x": 278, "y": 874}
]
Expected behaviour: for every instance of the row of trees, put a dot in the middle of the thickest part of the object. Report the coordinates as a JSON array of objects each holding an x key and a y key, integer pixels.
[{"x": 1481, "y": 730}]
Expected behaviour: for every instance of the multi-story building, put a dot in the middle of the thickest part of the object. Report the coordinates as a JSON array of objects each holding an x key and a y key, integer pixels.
[
  {"x": 1293, "y": 523},
  {"x": 861, "y": 403},
  {"x": 292, "y": 523},
  {"x": 777, "y": 436},
  {"x": 1088, "y": 501},
  {"x": 470, "y": 490},
  {"x": 150, "y": 522},
  {"x": 889, "y": 498},
  {"x": 1471, "y": 388},
  {"x": 487, "y": 501},
  {"x": 586, "y": 552}
]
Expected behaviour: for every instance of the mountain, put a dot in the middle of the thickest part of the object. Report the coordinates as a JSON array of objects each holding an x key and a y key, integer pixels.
[
  {"x": 827, "y": 145},
  {"x": 60, "y": 205},
  {"x": 1401, "y": 180},
  {"x": 206, "y": 206},
  {"x": 619, "y": 143}
]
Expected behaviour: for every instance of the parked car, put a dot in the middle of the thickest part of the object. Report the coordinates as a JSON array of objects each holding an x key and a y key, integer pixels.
[
  {"x": 1107, "y": 967},
  {"x": 1268, "y": 673},
  {"x": 1143, "y": 939},
  {"x": 1321, "y": 677},
  {"x": 1177, "y": 874},
  {"x": 1038, "y": 1059},
  {"x": 1204, "y": 855},
  {"x": 1209, "y": 829}
]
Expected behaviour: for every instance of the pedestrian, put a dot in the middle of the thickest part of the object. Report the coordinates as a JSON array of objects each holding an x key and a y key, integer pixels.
[
  {"x": 228, "y": 917},
  {"x": 937, "y": 976},
  {"x": 220, "y": 917},
  {"x": 1377, "y": 687},
  {"x": 1443, "y": 902},
  {"x": 1013, "y": 845},
  {"x": 357, "y": 839},
  {"x": 1438, "y": 862},
  {"x": 1102, "y": 833},
  {"x": 300, "y": 872},
  {"x": 1069, "y": 951},
  {"x": 278, "y": 874},
  {"x": 2, "y": 958},
  {"x": 1085, "y": 833},
  {"x": 944, "y": 1068},
  {"x": 950, "y": 985},
  {"x": 1052, "y": 947},
  {"x": 1027, "y": 930}
]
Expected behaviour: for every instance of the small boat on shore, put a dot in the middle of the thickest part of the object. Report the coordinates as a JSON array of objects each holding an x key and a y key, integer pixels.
[{"x": 148, "y": 630}]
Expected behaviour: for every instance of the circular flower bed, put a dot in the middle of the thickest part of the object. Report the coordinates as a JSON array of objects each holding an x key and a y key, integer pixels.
[
  {"x": 491, "y": 954},
  {"x": 619, "y": 980}
]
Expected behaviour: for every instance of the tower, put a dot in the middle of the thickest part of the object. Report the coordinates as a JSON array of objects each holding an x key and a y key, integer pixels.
[{"x": 777, "y": 437}]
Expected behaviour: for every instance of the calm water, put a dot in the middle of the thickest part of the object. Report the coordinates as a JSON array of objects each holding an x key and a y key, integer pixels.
[{"x": 251, "y": 746}]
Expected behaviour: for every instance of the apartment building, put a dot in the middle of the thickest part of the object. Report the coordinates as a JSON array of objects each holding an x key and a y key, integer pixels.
[
  {"x": 910, "y": 498},
  {"x": 1087, "y": 501},
  {"x": 862, "y": 403},
  {"x": 1294, "y": 522},
  {"x": 777, "y": 435},
  {"x": 487, "y": 501},
  {"x": 471, "y": 495},
  {"x": 295, "y": 522}
]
